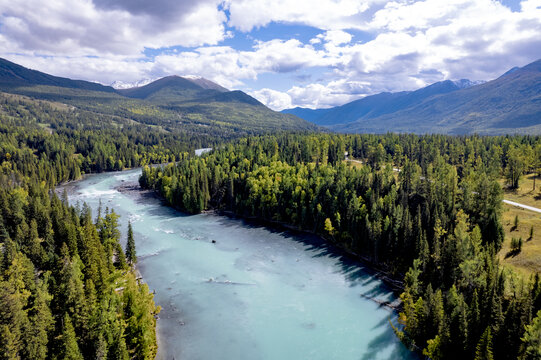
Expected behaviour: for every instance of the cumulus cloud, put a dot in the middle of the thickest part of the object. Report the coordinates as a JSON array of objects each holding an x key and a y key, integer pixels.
[
  {"x": 283, "y": 56},
  {"x": 336, "y": 37},
  {"x": 83, "y": 27},
  {"x": 276, "y": 100},
  {"x": 323, "y": 14}
]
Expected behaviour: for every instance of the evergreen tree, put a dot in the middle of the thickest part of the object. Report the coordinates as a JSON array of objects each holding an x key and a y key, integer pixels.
[
  {"x": 531, "y": 341},
  {"x": 69, "y": 347},
  {"x": 130, "y": 247},
  {"x": 41, "y": 325},
  {"x": 484, "y": 347}
]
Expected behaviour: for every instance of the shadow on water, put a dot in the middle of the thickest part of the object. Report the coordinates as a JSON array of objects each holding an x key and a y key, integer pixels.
[
  {"x": 354, "y": 271},
  {"x": 384, "y": 340}
]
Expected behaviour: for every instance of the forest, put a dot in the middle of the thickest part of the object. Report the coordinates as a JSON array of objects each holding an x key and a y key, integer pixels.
[{"x": 427, "y": 209}]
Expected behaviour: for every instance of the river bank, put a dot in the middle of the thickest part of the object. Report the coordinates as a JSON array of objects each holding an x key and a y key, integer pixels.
[{"x": 304, "y": 293}]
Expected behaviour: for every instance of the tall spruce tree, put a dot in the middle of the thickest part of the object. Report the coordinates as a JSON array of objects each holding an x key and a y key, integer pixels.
[{"x": 130, "y": 247}]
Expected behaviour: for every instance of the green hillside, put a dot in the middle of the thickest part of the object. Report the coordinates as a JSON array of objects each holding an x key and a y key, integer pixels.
[
  {"x": 175, "y": 104},
  {"x": 169, "y": 89},
  {"x": 13, "y": 76}
]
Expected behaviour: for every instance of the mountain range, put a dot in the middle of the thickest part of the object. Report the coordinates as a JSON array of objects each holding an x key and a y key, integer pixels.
[
  {"x": 173, "y": 103},
  {"x": 507, "y": 105}
]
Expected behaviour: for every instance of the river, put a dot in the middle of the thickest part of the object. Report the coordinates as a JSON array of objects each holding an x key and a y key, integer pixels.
[{"x": 232, "y": 289}]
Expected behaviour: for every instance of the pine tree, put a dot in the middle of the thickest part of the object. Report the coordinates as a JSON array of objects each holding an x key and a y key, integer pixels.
[
  {"x": 130, "y": 247},
  {"x": 41, "y": 321},
  {"x": 70, "y": 349},
  {"x": 531, "y": 341},
  {"x": 9, "y": 343},
  {"x": 484, "y": 347}
]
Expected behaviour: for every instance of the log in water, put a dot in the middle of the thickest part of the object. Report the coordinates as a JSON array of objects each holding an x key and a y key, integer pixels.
[{"x": 231, "y": 289}]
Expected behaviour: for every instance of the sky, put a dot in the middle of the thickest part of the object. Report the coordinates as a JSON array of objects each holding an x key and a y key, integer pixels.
[{"x": 308, "y": 53}]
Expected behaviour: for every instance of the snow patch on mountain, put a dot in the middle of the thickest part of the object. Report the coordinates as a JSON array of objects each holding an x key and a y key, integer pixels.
[{"x": 128, "y": 85}]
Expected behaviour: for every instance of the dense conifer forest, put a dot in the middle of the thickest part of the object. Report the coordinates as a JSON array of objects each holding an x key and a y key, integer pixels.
[{"x": 426, "y": 208}]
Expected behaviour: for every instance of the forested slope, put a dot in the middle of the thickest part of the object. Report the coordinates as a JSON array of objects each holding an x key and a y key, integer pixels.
[
  {"x": 178, "y": 105},
  {"x": 67, "y": 290}
]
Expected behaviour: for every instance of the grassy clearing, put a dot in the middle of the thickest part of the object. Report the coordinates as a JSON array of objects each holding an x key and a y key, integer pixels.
[
  {"x": 528, "y": 261},
  {"x": 525, "y": 193}
]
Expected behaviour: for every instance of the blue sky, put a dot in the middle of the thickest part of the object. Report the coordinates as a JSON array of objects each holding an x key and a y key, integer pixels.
[{"x": 303, "y": 53}]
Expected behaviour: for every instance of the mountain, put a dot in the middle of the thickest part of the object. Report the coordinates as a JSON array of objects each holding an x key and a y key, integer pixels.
[
  {"x": 190, "y": 104},
  {"x": 205, "y": 83},
  {"x": 14, "y": 76},
  {"x": 173, "y": 89},
  {"x": 507, "y": 105},
  {"x": 373, "y": 106},
  {"x": 232, "y": 97},
  {"x": 311, "y": 115}
]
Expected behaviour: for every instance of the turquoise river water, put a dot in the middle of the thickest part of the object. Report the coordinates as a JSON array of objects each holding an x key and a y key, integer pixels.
[{"x": 256, "y": 293}]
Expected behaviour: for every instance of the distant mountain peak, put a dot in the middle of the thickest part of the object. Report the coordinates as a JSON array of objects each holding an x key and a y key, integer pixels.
[
  {"x": 465, "y": 83},
  {"x": 205, "y": 83},
  {"x": 506, "y": 105},
  {"x": 171, "y": 79}
]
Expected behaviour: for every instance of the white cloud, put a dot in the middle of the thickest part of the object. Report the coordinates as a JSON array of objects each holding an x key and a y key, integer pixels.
[
  {"x": 530, "y": 5},
  {"x": 312, "y": 96},
  {"x": 333, "y": 93},
  {"x": 336, "y": 37},
  {"x": 103, "y": 69},
  {"x": 282, "y": 56},
  {"x": 229, "y": 67},
  {"x": 276, "y": 100},
  {"x": 323, "y": 14},
  {"x": 217, "y": 63}
]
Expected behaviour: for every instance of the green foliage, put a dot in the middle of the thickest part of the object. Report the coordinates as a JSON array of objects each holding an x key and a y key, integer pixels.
[
  {"x": 516, "y": 165},
  {"x": 531, "y": 341},
  {"x": 329, "y": 229},
  {"x": 69, "y": 349},
  {"x": 51, "y": 308}
]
